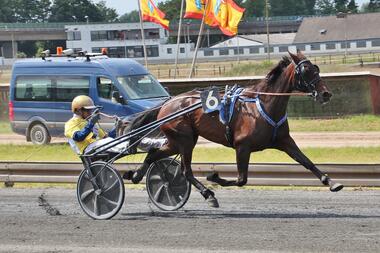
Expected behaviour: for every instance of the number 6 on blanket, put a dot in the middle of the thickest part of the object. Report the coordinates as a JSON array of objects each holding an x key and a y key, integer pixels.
[{"x": 210, "y": 100}]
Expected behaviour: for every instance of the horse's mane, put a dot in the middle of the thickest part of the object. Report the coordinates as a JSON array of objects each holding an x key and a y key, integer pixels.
[{"x": 278, "y": 69}]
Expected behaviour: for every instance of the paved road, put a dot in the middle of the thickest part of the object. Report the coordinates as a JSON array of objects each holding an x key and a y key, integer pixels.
[
  {"x": 303, "y": 139},
  {"x": 248, "y": 221}
]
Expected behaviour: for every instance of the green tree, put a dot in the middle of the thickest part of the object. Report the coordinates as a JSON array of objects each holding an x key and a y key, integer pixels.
[
  {"x": 254, "y": 8},
  {"x": 341, "y": 5},
  {"x": 352, "y": 7},
  {"x": 325, "y": 7},
  {"x": 77, "y": 10},
  {"x": 373, "y": 6},
  {"x": 129, "y": 17},
  {"x": 171, "y": 8},
  {"x": 7, "y": 11},
  {"x": 108, "y": 14},
  {"x": 28, "y": 11},
  {"x": 310, "y": 6},
  {"x": 288, "y": 7}
]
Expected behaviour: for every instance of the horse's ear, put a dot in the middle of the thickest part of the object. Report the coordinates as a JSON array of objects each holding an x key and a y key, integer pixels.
[{"x": 294, "y": 57}]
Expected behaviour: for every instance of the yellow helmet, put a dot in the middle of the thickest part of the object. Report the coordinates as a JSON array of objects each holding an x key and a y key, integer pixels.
[{"x": 82, "y": 101}]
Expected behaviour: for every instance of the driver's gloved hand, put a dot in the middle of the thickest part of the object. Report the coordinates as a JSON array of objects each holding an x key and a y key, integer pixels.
[{"x": 94, "y": 119}]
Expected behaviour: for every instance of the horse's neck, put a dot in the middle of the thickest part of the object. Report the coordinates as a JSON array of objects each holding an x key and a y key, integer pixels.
[{"x": 276, "y": 106}]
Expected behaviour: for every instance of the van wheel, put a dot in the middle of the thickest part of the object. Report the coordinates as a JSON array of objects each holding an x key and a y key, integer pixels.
[{"x": 39, "y": 135}]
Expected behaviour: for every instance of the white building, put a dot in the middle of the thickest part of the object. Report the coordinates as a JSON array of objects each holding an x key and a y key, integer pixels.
[{"x": 124, "y": 40}]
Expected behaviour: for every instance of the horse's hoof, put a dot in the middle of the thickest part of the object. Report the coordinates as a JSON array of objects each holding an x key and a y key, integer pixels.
[
  {"x": 212, "y": 177},
  {"x": 137, "y": 177},
  {"x": 336, "y": 187},
  {"x": 128, "y": 175},
  {"x": 212, "y": 201}
]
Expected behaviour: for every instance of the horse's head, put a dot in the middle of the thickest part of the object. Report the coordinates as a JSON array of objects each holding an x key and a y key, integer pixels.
[{"x": 307, "y": 78}]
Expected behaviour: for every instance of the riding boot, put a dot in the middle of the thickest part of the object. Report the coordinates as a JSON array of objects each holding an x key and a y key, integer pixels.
[{"x": 140, "y": 173}]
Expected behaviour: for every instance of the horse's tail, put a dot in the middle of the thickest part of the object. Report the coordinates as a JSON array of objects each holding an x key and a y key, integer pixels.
[{"x": 141, "y": 120}]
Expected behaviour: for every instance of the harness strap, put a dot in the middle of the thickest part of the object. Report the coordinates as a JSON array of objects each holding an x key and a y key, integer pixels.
[{"x": 275, "y": 125}]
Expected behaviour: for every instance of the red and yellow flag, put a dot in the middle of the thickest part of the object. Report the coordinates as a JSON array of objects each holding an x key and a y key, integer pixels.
[
  {"x": 151, "y": 13},
  {"x": 226, "y": 14},
  {"x": 194, "y": 9}
]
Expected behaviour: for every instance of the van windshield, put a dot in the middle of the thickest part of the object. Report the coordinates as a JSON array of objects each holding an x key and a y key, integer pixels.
[{"x": 142, "y": 86}]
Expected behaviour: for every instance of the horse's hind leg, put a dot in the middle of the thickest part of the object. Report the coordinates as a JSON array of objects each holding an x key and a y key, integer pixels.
[
  {"x": 290, "y": 147},
  {"x": 153, "y": 155},
  {"x": 242, "y": 159}
]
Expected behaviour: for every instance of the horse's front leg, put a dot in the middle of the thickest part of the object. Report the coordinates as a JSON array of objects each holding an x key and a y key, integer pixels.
[
  {"x": 290, "y": 147},
  {"x": 242, "y": 160}
]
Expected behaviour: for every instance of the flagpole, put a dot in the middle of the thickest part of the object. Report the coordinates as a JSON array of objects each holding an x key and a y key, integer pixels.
[
  {"x": 178, "y": 38},
  {"x": 142, "y": 35},
  {"x": 198, "y": 41}
]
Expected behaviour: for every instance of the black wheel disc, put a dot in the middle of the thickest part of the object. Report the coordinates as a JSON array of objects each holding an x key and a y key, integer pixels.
[
  {"x": 167, "y": 187},
  {"x": 106, "y": 201}
]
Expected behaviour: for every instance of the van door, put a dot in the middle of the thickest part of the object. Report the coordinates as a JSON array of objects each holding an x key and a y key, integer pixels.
[{"x": 105, "y": 88}]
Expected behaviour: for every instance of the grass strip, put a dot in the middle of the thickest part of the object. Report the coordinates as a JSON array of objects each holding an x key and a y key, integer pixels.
[
  {"x": 62, "y": 152},
  {"x": 347, "y": 124}
]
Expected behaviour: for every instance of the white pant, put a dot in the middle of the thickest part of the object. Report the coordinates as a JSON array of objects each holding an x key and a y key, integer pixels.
[{"x": 146, "y": 144}]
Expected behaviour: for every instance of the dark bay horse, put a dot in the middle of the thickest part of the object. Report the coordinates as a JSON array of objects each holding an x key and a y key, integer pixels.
[{"x": 254, "y": 126}]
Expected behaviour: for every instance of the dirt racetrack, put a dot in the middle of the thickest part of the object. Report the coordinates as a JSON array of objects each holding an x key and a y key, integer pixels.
[{"x": 247, "y": 221}]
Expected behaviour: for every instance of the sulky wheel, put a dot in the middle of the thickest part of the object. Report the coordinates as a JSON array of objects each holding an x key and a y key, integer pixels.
[
  {"x": 104, "y": 200},
  {"x": 167, "y": 187}
]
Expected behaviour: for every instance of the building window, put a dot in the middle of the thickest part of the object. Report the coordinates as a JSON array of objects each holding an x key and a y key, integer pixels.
[
  {"x": 253, "y": 50},
  {"x": 315, "y": 47},
  {"x": 152, "y": 51},
  {"x": 376, "y": 43},
  {"x": 361, "y": 44},
  {"x": 135, "y": 52},
  {"x": 330, "y": 45},
  {"x": 238, "y": 51},
  {"x": 223, "y": 51},
  {"x": 98, "y": 35},
  {"x": 343, "y": 45},
  {"x": 169, "y": 51},
  {"x": 182, "y": 50},
  {"x": 152, "y": 33},
  {"x": 270, "y": 49},
  {"x": 283, "y": 49},
  {"x": 301, "y": 47},
  {"x": 116, "y": 35},
  {"x": 208, "y": 52},
  {"x": 76, "y": 35}
]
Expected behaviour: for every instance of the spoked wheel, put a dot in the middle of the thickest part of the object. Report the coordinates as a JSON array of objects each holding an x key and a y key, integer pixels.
[
  {"x": 167, "y": 187},
  {"x": 105, "y": 200}
]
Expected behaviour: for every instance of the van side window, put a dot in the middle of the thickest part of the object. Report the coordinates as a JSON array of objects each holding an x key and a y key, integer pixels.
[
  {"x": 105, "y": 88},
  {"x": 51, "y": 88},
  {"x": 68, "y": 87},
  {"x": 33, "y": 88}
]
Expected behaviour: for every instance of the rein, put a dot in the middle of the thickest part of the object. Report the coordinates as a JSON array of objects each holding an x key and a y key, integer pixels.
[{"x": 277, "y": 93}]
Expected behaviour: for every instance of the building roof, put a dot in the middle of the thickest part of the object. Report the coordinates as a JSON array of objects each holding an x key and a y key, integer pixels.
[
  {"x": 257, "y": 40},
  {"x": 332, "y": 28}
]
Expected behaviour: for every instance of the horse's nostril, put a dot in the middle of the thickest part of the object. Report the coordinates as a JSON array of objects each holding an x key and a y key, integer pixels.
[{"x": 326, "y": 95}]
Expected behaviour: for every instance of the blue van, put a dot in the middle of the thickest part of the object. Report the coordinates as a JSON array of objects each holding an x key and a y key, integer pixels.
[{"x": 41, "y": 91}]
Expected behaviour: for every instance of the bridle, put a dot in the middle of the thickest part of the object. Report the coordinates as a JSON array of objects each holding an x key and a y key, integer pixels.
[{"x": 301, "y": 83}]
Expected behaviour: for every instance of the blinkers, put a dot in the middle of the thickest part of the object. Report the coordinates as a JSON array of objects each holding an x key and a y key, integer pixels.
[{"x": 307, "y": 76}]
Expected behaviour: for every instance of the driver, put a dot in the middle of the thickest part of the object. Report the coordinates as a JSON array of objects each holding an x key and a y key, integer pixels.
[{"x": 82, "y": 127}]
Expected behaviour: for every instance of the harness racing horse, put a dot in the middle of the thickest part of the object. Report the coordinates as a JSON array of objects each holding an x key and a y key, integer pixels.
[{"x": 258, "y": 122}]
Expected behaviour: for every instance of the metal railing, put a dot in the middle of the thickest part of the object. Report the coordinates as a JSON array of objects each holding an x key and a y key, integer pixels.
[{"x": 272, "y": 174}]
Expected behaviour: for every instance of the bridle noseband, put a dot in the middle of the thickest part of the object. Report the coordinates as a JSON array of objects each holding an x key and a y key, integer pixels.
[{"x": 301, "y": 83}]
